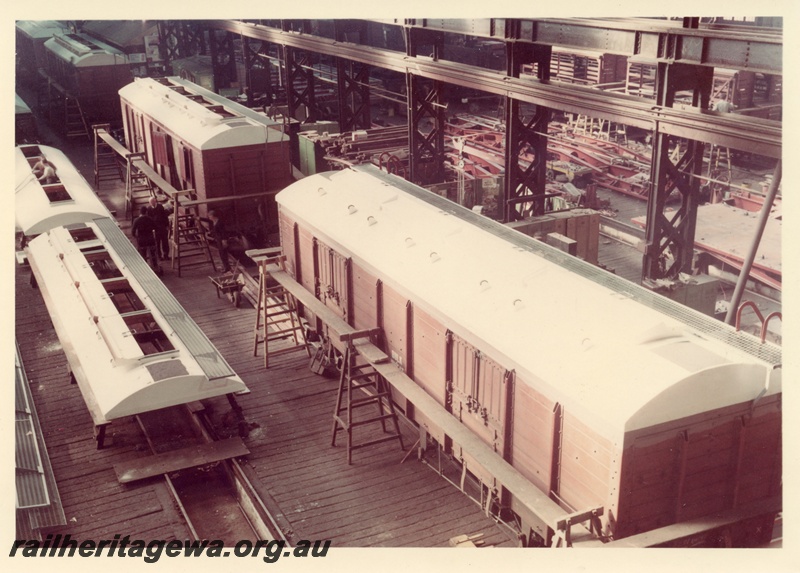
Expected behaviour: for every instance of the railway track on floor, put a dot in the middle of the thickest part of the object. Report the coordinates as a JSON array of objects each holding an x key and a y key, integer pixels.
[{"x": 216, "y": 499}]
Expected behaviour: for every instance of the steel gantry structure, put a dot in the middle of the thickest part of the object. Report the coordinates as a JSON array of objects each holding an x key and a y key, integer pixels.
[{"x": 685, "y": 52}]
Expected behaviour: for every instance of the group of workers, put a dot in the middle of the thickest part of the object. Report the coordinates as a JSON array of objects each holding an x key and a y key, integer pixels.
[{"x": 151, "y": 231}]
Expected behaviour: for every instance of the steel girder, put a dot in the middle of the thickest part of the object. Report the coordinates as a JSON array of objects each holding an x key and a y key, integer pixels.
[
  {"x": 743, "y": 48},
  {"x": 669, "y": 238},
  {"x": 525, "y": 185},
  {"x": 759, "y": 136}
]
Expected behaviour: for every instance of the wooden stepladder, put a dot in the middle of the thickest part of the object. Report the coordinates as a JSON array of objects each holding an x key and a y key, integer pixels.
[
  {"x": 138, "y": 187},
  {"x": 188, "y": 244},
  {"x": 374, "y": 391},
  {"x": 277, "y": 316},
  {"x": 107, "y": 166}
]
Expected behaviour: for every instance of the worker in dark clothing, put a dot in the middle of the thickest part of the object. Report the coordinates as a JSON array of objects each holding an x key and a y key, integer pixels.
[
  {"x": 219, "y": 234},
  {"x": 160, "y": 218},
  {"x": 144, "y": 231}
]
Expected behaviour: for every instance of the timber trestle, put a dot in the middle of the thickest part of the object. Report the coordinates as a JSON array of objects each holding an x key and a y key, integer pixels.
[
  {"x": 361, "y": 386},
  {"x": 277, "y": 316}
]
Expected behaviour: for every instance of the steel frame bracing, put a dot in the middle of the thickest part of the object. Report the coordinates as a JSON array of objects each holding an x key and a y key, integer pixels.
[
  {"x": 744, "y": 47},
  {"x": 669, "y": 238},
  {"x": 300, "y": 83},
  {"x": 525, "y": 185},
  {"x": 256, "y": 68},
  {"x": 353, "y": 90},
  {"x": 426, "y": 117},
  {"x": 180, "y": 39},
  {"x": 223, "y": 57},
  {"x": 686, "y": 54},
  {"x": 755, "y": 135},
  {"x": 352, "y": 80}
]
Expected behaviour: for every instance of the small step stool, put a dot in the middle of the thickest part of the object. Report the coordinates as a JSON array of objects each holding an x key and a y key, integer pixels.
[{"x": 375, "y": 392}]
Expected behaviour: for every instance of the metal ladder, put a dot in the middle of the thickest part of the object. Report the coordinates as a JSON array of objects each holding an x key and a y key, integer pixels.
[{"x": 372, "y": 390}]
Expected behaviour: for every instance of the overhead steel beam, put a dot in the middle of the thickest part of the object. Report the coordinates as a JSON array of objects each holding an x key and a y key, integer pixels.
[
  {"x": 758, "y": 136},
  {"x": 756, "y": 49}
]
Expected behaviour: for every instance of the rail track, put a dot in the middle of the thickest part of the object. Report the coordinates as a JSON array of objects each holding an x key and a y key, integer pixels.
[{"x": 216, "y": 500}]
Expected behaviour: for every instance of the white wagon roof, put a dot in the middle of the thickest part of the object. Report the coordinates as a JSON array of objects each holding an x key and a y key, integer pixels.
[
  {"x": 116, "y": 376},
  {"x": 41, "y": 29},
  {"x": 622, "y": 364},
  {"x": 35, "y": 212},
  {"x": 188, "y": 111},
  {"x": 82, "y": 51},
  {"x": 20, "y": 107}
]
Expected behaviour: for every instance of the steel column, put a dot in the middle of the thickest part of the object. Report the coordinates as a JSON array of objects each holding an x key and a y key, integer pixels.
[
  {"x": 524, "y": 185},
  {"x": 426, "y": 118},
  {"x": 669, "y": 240},
  {"x": 223, "y": 59},
  {"x": 352, "y": 79},
  {"x": 180, "y": 39},
  {"x": 300, "y": 83},
  {"x": 256, "y": 68},
  {"x": 353, "y": 90}
]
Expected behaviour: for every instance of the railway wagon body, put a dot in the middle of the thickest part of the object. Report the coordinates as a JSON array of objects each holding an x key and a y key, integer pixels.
[
  {"x": 199, "y": 140},
  {"x": 602, "y": 394},
  {"x": 90, "y": 71},
  {"x": 30, "y": 38},
  {"x": 25, "y": 129},
  {"x": 41, "y": 206},
  {"x": 130, "y": 345}
]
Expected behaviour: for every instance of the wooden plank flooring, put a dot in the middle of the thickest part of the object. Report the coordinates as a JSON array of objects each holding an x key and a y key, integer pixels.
[
  {"x": 95, "y": 505},
  {"x": 376, "y": 501}
]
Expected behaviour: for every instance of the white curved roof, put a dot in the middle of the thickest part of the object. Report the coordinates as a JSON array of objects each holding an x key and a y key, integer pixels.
[
  {"x": 624, "y": 365},
  {"x": 82, "y": 51},
  {"x": 41, "y": 29},
  {"x": 116, "y": 376},
  {"x": 34, "y": 211},
  {"x": 20, "y": 107},
  {"x": 193, "y": 121}
]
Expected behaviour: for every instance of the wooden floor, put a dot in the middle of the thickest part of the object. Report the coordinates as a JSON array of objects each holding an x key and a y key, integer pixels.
[
  {"x": 95, "y": 504},
  {"x": 377, "y": 501}
]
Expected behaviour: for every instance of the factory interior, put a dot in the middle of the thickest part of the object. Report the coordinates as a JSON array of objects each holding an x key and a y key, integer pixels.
[{"x": 548, "y": 250}]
